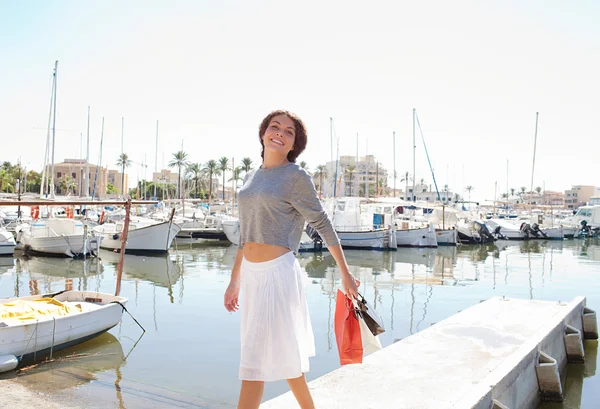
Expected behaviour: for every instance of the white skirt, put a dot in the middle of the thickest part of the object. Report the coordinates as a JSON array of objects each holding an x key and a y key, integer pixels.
[{"x": 276, "y": 334}]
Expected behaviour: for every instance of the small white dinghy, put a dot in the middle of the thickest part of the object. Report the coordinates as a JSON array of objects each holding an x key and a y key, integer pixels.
[{"x": 40, "y": 324}]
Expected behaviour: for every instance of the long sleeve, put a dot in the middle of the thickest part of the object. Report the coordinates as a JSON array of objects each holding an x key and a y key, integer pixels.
[{"x": 305, "y": 200}]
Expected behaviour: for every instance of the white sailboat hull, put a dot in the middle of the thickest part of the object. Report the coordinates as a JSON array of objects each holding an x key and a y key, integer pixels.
[
  {"x": 153, "y": 238},
  {"x": 422, "y": 237},
  {"x": 7, "y": 243},
  {"x": 19, "y": 338},
  {"x": 231, "y": 228},
  {"x": 383, "y": 239},
  {"x": 446, "y": 237},
  {"x": 69, "y": 246}
]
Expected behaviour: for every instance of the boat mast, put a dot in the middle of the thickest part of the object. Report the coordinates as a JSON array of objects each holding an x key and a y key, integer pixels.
[
  {"x": 45, "y": 178},
  {"x": 394, "y": 139},
  {"x": 53, "y": 129},
  {"x": 355, "y": 186},
  {"x": 414, "y": 197},
  {"x": 86, "y": 176},
  {"x": 533, "y": 165},
  {"x": 155, "y": 159}
]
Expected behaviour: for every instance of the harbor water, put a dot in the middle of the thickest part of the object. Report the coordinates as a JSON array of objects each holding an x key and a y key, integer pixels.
[{"x": 188, "y": 357}]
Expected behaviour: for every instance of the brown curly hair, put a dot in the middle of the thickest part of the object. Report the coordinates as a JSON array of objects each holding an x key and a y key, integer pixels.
[{"x": 300, "y": 130}]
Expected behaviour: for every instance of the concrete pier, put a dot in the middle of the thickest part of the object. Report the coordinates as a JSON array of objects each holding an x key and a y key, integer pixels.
[{"x": 502, "y": 353}]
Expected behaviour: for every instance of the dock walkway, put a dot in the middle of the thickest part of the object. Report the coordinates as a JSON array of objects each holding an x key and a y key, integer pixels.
[{"x": 499, "y": 354}]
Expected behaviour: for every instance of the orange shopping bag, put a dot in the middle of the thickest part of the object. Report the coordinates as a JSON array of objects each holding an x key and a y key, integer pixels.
[{"x": 347, "y": 331}]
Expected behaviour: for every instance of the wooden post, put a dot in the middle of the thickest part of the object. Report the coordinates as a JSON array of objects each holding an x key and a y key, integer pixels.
[{"x": 123, "y": 244}]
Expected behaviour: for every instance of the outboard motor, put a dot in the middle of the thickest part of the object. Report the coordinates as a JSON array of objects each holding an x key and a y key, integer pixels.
[
  {"x": 498, "y": 234},
  {"x": 585, "y": 231},
  {"x": 526, "y": 229},
  {"x": 483, "y": 231},
  {"x": 537, "y": 231}
]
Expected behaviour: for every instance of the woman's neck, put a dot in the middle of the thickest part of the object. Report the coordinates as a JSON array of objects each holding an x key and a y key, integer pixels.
[{"x": 273, "y": 161}]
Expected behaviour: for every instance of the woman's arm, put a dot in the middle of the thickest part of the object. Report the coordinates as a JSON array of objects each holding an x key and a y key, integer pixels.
[
  {"x": 232, "y": 294},
  {"x": 349, "y": 283}
]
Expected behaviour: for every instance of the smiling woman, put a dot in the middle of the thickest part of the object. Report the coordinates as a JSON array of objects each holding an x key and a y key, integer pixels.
[
  {"x": 275, "y": 201},
  {"x": 282, "y": 128}
]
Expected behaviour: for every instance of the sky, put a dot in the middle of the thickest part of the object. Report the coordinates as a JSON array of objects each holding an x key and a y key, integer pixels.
[{"x": 475, "y": 71}]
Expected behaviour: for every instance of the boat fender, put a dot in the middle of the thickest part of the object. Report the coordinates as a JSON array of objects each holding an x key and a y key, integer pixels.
[
  {"x": 115, "y": 236},
  {"x": 8, "y": 363}
]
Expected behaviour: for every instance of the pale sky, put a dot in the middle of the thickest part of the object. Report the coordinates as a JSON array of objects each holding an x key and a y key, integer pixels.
[{"x": 209, "y": 71}]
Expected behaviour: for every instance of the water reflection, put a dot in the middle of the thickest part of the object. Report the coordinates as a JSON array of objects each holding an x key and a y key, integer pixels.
[
  {"x": 74, "y": 366},
  {"x": 411, "y": 289},
  {"x": 157, "y": 269}
]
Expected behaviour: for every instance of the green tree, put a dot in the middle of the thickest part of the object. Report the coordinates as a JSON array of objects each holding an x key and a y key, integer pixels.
[
  {"x": 349, "y": 172},
  {"x": 538, "y": 190},
  {"x": 446, "y": 190},
  {"x": 124, "y": 162},
  {"x": 195, "y": 169},
  {"x": 235, "y": 176},
  {"x": 67, "y": 184},
  {"x": 469, "y": 189},
  {"x": 247, "y": 165},
  {"x": 180, "y": 161},
  {"x": 34, "y": 181},
  {"x": 211, "y": 169},
  {"x": 320, "y": 173},
  {"x": 6, "y": 179},
  {"x": 406, "y": 178},
  {"x": 224, "y": 167},
  {"x": 110, "y": 189},
  {"x": 512, "y": 191}
]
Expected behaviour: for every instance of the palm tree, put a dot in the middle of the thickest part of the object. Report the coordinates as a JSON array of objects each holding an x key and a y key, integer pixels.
[
  {"x": 247, "y": 165},
  {"x": 224, "y": 167},
  {"x": 523, "y": 189},
  {"x": 210, "y": 169},
  {"x": 67, "y": 184},
  {"x": 124, "y": 162},
  {"x": 504, "y": 195},
  {"x": 303, "y": 165},
  {"x": 195, "y": 169},
  {"x": 179, "y": 160},
  {"x": 538, "y": 190},
  {"x": 350, "y": 170},
  {"x": 6, "y": 179},
  {"x": 469, "y": 189},
  {"x": 407, "y": 176},
  {"x": 236, "y": 175},
  {"x": 512, "y": 191},
  {"x": 321, "y": 172}
]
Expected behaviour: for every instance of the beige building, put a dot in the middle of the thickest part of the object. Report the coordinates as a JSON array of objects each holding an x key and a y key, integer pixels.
[
  {"x": 579, "y": 195},
  {"x": 165, "y": 176},
  {"x": 353, "y": 175},
  {"x": 547, "y": 198},
  {"x": 69, "y": 178},
  {"x": 115, "y": 178}
]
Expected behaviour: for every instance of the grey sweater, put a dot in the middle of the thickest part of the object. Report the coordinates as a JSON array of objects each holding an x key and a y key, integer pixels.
[{"x": 275, "y": 202}]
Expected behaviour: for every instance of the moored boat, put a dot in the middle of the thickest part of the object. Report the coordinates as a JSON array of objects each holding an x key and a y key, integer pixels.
[{"x": 40, "y": 324}]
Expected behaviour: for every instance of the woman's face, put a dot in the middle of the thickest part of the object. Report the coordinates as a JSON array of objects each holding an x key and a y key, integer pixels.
[{"x": 280, "y": 135}]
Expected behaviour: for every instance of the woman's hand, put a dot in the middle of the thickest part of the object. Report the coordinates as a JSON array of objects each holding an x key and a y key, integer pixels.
[
  {"x": 350, "y": 285},
  {"x": 231, "y": 299}
]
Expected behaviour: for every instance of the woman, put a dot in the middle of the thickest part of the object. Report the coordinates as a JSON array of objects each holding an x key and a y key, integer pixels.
[{"x": 274, "y": 203}]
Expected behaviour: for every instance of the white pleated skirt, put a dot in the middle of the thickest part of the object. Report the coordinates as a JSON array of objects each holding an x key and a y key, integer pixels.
[{"x": 276, "y": 333}]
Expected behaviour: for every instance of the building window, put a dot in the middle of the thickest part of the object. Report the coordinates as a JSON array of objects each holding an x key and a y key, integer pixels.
[
  {"x": 58, "y": 174},
  {"x": 74, "y": 175}
]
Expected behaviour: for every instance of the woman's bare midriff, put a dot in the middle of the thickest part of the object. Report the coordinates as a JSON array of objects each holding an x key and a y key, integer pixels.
[{"x": 259, "y": 252}]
